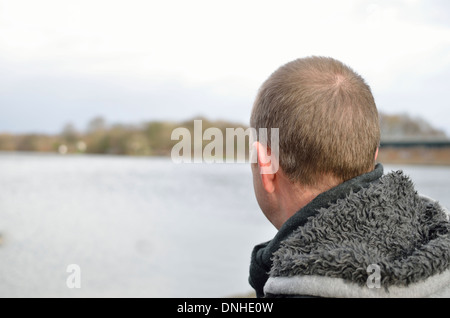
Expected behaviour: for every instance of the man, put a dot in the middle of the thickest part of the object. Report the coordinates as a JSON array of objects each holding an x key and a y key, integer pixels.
[{"x": 345, "y": 229}]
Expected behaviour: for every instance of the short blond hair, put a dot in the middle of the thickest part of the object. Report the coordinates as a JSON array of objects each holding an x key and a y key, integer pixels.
[{"x": 327, "y": 119}]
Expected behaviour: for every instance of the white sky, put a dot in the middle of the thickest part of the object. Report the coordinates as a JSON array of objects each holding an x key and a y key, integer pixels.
[{"x": 134, "y": 60}]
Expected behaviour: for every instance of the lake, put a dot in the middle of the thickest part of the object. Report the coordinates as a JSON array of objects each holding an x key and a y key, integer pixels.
[{"x": 136, "y": 226}]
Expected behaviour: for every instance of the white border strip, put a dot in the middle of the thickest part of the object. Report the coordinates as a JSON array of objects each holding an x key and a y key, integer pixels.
[{"x": 435, "y": 286}]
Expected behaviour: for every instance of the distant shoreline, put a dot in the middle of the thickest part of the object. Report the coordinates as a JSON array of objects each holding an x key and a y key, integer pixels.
[
  {"x": 387, "y": 155},
  {"x": 415, "y": 155},
  {"x": 402, "y": 138}
]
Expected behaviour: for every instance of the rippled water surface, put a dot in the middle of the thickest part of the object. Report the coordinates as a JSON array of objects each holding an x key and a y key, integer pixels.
[{"x": 136, "y": 227}]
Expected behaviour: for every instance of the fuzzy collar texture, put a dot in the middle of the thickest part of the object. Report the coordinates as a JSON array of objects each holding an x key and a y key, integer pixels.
[{"x": 370, "y": 220}]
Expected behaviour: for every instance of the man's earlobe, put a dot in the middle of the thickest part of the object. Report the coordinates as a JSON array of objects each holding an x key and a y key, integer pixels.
[
  {"x": 266, "y": 172},
  {"x": 268, "y": 182},
  {"x": 267, "y": 159},
  {"x": 376, "y": 154}
]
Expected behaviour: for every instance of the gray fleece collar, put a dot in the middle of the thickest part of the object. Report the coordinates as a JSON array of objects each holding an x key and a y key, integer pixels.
[{"x": 386, "y": 223}]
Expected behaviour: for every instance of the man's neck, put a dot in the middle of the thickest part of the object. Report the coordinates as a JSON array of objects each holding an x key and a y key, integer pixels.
[{"x": 295, "y": 196}]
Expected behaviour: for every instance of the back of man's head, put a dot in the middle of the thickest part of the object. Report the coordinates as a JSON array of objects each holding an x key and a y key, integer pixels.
[{"x": 327, "y": 119}]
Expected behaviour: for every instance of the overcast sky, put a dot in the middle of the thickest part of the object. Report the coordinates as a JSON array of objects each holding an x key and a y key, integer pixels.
[{"x": 138, "y": 60}]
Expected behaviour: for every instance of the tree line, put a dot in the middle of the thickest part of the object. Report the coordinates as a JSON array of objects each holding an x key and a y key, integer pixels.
[{"x": 153, "y": 138}]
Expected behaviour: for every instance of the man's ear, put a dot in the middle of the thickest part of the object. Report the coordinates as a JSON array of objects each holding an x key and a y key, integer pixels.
[
  {"x": 266, "y": 172},
  {"x": 376, "y": 154}
]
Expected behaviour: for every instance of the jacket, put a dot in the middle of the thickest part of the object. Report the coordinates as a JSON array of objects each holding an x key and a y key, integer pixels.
[{"x": 371, "y": 236}]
